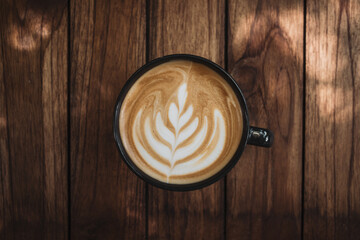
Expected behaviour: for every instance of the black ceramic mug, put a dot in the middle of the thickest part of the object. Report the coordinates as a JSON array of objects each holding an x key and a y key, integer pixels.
[{"x": 250, "y": 135}]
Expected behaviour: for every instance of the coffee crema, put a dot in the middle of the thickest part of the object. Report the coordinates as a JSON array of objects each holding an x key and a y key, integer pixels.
[{"x": 180, "y": 122}]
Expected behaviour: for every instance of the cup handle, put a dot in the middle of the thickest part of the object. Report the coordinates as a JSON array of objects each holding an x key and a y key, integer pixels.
[{"x": 260, "y": 137}]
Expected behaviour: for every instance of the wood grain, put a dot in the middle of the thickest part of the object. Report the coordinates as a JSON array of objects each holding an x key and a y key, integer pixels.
[
  {"x": 33, "y": 120},
  {"x": 332, "y": 153},
  {"x": 261, "y": 197},
  {"x": 107, "y": 46},
  {"x": 195, "y": 27},
  {"x": 265, "y": 44}
]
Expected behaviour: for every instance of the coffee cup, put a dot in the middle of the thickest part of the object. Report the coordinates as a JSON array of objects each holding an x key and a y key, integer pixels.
[{"x": 181, "y": 123}]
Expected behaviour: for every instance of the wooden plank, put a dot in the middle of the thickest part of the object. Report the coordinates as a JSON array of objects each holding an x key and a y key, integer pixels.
[
  {"x": 195, "y": 27},
  {"x": 332, "y": 150},
  {"x": 265, "y": 56},
  {"x": 33, "y": 120},
  {"x": 107, "y": 46}
]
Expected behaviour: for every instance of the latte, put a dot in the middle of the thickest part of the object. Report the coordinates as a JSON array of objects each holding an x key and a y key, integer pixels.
[{"x": 180, "y": 122}]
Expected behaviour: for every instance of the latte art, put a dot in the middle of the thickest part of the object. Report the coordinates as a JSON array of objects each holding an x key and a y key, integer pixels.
[
  {"x": 171, "y": 151},
  {"x": 180, "y": 122}
]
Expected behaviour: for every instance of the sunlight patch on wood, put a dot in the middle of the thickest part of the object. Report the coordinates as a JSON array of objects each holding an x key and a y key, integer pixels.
[
  {"x": 2, "y": 122},
  {"x": 331, "y": 101},
  {"x": 29, "y": 36}
]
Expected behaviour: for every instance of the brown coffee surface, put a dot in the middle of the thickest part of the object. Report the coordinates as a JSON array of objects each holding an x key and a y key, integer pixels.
[{"x": 180, "y": 122}]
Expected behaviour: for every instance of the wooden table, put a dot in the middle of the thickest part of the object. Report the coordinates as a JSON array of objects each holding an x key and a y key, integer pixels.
[{"x": 62, "y": 65}]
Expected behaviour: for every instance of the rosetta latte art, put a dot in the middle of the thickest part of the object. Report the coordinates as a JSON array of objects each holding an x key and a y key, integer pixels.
[
  {"x": 180, "y": 122},
  {"x": 179, "y": 117}
]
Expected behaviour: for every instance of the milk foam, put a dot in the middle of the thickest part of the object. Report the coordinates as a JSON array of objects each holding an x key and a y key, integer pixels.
[
  {"x": 178, "y": 117},
  {"x": 180, "y": 122}
]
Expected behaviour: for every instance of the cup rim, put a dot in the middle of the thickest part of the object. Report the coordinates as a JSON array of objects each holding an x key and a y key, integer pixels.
[{"x": 196, "y": 185}]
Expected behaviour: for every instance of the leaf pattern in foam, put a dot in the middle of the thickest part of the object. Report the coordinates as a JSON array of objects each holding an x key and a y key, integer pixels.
[
  {"x": 188, "y": 131},
  {"x": 174, "y": 115},
  {"x": 163, "y": 131},
  {"x": 182, "y": 95},
  {"x": 196, "y": 143},
  {"x": 204, "y": 160},
  {"x": 183, "y": 130},
  {"x": 143, "y": 152},
  {"x": 179, "y": 119},
  {"x": 186, "y": 116},
  {"x": 156, "y": 145}
]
